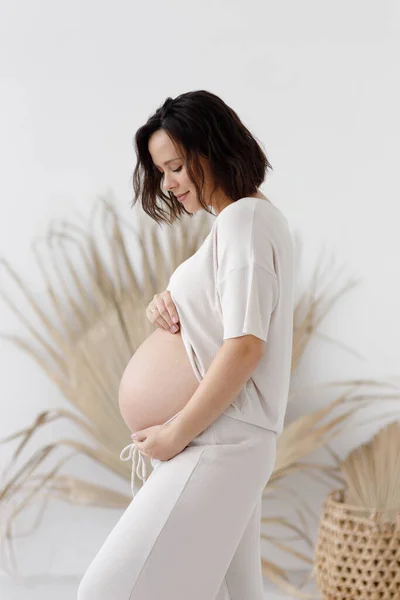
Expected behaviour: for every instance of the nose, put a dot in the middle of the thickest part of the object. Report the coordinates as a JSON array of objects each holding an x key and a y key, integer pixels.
[{"x": 168, "y": 185}]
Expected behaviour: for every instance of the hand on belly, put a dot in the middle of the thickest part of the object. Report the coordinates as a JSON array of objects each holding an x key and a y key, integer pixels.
[{"x": 157, "y": 382}]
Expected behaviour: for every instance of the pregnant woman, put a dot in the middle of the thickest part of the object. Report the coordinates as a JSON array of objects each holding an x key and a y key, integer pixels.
[{"x": 205, "y": 402}]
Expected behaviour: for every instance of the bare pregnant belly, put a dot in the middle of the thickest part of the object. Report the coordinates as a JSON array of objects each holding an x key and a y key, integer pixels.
[{"x": 157, "y": 382}]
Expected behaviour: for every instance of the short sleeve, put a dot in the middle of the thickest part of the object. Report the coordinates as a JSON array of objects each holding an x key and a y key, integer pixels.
[
  {"x": 248, "y": 297},
  {"x": 246, "y": 279}
]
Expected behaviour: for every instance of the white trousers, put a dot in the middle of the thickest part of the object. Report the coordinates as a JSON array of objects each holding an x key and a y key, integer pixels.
[{"x": 192, "y": 532}]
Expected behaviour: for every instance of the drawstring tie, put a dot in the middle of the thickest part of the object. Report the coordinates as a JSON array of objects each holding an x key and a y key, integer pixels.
[{"x": 132, "y": 452}]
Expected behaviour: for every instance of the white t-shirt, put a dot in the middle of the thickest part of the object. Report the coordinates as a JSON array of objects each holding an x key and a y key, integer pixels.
[{"x": 240, "y": 281}]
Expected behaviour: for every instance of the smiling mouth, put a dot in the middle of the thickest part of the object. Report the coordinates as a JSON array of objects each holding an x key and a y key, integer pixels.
[{"x": 182, "y": 197}]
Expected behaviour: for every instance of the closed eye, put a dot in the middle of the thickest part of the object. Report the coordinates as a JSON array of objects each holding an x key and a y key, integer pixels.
[{"x": 174, "y": 170}]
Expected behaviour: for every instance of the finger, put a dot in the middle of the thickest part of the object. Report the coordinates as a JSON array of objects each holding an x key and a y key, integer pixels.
[
  {"x": 163, "y": 311},
  {"x": 142, "y": 446},
  {"x": 138, "y": 445},
  {"x": 154, "y": 317},
  {"x": 159, "y": 312},
  {"x": 171, "y": 308}
]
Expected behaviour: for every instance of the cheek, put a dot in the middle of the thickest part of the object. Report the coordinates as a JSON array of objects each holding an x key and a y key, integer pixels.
[{"x": 185, "y": 180}]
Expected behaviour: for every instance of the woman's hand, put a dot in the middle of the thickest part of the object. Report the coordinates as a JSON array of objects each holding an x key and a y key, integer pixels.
[
  {"x": 158, "y": 441},
  {"x": 162, "y": 311}
]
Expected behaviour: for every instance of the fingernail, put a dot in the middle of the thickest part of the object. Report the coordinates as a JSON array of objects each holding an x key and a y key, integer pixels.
[
  {"x": 174, "y": 328},
  {"x": 174, "y": 319}
]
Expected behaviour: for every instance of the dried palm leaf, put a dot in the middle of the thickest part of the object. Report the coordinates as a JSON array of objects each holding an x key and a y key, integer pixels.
[
  {"x": 280, "y": 577},
  {"x": 98, "y": 307},
  {"x": 371, "y": 474}
]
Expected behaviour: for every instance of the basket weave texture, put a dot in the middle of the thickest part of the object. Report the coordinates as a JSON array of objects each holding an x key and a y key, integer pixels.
[{"x": 357, "y": 553}]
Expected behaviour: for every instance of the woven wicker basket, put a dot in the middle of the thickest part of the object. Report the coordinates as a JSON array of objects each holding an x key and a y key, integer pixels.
[{"x": 357, "y": 553}]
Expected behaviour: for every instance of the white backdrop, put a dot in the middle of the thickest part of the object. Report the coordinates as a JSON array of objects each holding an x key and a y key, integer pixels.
[{"x": 316, "y": 82}]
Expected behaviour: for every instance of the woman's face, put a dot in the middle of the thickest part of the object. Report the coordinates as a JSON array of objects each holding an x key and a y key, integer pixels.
[{"x": 175, "y": 177}]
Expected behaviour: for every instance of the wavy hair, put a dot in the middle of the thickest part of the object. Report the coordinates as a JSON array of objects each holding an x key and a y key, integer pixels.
[{"x": 199, "y": 124}]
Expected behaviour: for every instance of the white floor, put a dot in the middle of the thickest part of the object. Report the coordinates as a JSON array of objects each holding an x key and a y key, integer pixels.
[{"x": 64, "y": 588}]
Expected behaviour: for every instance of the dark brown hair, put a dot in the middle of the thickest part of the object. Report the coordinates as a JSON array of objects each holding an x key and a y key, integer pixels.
[{"x": 198, "y": 123}]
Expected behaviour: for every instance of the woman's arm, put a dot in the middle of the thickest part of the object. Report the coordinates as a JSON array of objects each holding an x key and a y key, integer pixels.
[{"x": 231, "y": 368}]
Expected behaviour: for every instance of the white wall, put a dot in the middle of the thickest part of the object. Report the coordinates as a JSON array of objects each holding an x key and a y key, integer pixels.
[{"x": 316, "y": 82}]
